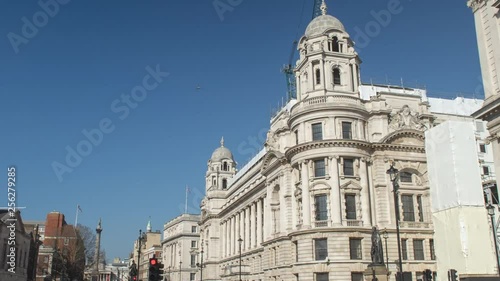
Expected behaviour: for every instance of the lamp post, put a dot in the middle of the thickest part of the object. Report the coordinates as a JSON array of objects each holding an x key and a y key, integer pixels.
[
  {"x": 201, "y": 265},
  {"x": 394, "y": 175},
  {"x": 491, "y": 212},
  {"x": 386, "y": 235},
  {"x": 240, "y": 241}
]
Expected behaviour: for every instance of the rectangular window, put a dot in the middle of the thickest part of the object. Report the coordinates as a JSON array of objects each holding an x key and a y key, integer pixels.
[
  {"x": 350, "y": 203},
  {"x": 420, "y": 208},
  {"x": 348, "y": 167},
  {"x": 317, "y": 131},
  {"x": 407, "y": 276},
  {"x": 193, "y": 229},
  {"x": 494, "y": 194},
  {"x": 296, "y": 136},
  {"x": 193, "y": 260},
  {"x": 296, "y": 246},
  {"x": 355, "y": 249},
  {"x": 320, "y": 249},
  {"x": 319, "y": 168},
  {"x": 486, "y": 170},
  {"x": 321, "y": 207},
  {"x": 193, "y": 244},
  {"x": 418, "y": 249},
  {"x": 482, "y": 148},
  {"x": 408, "y": 208},
  {"x": 433, "y": 252},
  {"x": 357, "y": 276},
  {"x": 321, "y": 276},
  {"x": 405, "y": 177},
  {"x": 347, "y": 130},
  {"x": 192, "y": 276},
  {"x": 404, "y": 249}
]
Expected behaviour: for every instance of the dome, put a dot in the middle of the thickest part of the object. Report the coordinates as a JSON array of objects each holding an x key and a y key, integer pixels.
[
  {"x": 221, "y": 153},
  {"x": 323, "y": 23}
]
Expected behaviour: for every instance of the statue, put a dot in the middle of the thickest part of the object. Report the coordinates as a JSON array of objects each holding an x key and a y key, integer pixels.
[
  {"x": 133, "y": 269},
  {"x": 406, "y": 119},
  {"x": 377, "y": 251},
  {"x": 272, "y": 141}
]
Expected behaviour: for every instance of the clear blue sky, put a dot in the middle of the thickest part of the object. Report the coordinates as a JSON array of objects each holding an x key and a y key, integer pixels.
[{"x": 65, "y": 78}]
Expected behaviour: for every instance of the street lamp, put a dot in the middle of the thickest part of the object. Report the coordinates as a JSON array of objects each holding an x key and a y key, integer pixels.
[
  {"x": 386, "y": 235},
  {"x": 201, "y": 265},
  {"x": 491, "y": 212},
  {"x": 394, "y": 175},
  {"x": 240, "y": 241}
]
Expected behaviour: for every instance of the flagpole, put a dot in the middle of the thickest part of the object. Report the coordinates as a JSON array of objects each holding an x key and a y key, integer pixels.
[
  {"x": 76, "y": 217},
  {"x": 186, "y": 203}
]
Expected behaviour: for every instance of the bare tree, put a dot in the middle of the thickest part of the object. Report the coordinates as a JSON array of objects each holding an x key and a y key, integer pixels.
[{"x": 89, "y": 238}]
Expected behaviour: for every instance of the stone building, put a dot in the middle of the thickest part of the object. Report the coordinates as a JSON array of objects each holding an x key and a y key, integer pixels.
[
  {"x": 182, "y": 249},
  {"x": 487, "y": 21},
  {"x": 15, "y": 245},
  {"x": 150, "y": 244}
]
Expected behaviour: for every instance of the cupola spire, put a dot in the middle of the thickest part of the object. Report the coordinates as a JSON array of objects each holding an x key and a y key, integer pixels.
[
  {"x": 222, "y": 142},
  {"x": 323, "y": 8}
]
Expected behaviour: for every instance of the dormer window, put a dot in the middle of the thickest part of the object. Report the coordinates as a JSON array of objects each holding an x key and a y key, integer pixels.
[{"x": 336, "y": 76}]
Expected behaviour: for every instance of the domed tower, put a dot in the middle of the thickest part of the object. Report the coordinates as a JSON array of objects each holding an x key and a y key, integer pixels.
[
  {"x": 328, "y": 62},
  {"x": 221, "y": 167}
]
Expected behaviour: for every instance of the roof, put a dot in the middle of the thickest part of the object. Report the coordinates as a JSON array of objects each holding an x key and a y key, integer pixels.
[
  {"x": 458, "y": 106},
  {"x": 323, "y": 23}
]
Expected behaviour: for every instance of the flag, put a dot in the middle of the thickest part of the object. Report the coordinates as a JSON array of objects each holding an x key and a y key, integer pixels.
[{"x": 79, "y": 209}]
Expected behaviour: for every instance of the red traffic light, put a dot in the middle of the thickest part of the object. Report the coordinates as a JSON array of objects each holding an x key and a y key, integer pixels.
[
  {"x": 153, "y": 261},
  {"x": 135, "y": 278}
]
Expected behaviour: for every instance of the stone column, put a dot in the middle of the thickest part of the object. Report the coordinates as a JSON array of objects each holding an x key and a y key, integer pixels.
[
  {"x": 233, "y": 234},
  {"x": 253, "y": 226},
  {"x": 260, "y": 207},
  {"x": 335, "y": 205},
  {"x": 365, "y": 194},
  {"x": 372, "y": 192},
  {"x": 248, "y": 243},
  {"x": 306, "y": 198},
  {"x": 267, "y": 216}
]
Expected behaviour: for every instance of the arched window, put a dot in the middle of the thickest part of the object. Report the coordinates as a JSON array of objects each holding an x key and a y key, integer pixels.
[
  {"x": 336, "y": 76},
  {"x": 318, "y": 77},
  {"x": 224, "y": 183},
  {"x": 335, "y": 43},
  {"x": 224, "y": 166}
]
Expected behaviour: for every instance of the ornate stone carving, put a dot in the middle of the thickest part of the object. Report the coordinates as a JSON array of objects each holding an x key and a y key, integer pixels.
[
  {"x": 406, "y": 119},
  {"x": 272, "y": 141}
]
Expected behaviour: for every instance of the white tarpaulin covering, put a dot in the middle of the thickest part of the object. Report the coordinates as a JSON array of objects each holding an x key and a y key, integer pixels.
[{"x": 453, "y": 164}]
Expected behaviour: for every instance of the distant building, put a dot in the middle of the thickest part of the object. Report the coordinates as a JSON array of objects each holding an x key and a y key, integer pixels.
[
  {"x": 182, "y": 249},
  {"x": 150, "y": 244},
  {"x": 14, "y": 259}
]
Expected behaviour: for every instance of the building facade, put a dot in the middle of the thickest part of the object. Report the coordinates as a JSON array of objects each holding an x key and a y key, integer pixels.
[
  {"x": 150, "y": 243},
  {"x": 15, "y": 245},
  {"x": 305, "y": 206},
  {"x": 182, "y": 249},
  {"x": 487, "y": 21}
]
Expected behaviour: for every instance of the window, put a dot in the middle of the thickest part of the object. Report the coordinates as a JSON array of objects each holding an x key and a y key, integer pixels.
[
  {"x": 335, "y": 44},
  {"x": 320, "y": 249},
  {"x": 347, "y": 130},
  {"x": 494, "y": 194},
  {"x": 224, "y": 166},
  {"x": 321, "y": 276},
  {"x": 321, "y": 207},
  {"x": 405, "y": 177},
  {"x": 482, "y": 148},
  {"x": 350, "y": 203},
  {"x": 420, "y": 208},
  {"x": 348, "y": 167},
  {"x": 296, "y": 137},
  {"x": 404, "y": 249},
  {"x": 194, "y": 229},
  {"x": 193, "y": 244},
  {"x": 193, "y": 260},
  {"x": 407, "y": 276},
  {"x": 319, "y": 168},
  {"x": 408, "y": 210},
  {"x": 336, "y": 76},
  {"x": 317, "y": 131},
  {"x": 224, "y": 183},
  {"x": 355, "y": 249},
  {"x": 418, "y": 249},
  {"x": 486, "y": 170},
  {"x": 357, "y": 276},
  {"x": 192, "y": 276},
  {"x": 318, "y": 76},
  {"x": 433, "y": 252},
  {"x": 296, "y": 246}
]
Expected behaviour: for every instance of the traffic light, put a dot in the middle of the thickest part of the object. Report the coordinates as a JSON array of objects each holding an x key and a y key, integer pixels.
[
  {"x": 428, "y": 275},
  {"x": 134, "y": 278},
  {"x": 452, "y": 275},
  {"x": 159, "y": 270},
  {"x": 153, "y": 270}
]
